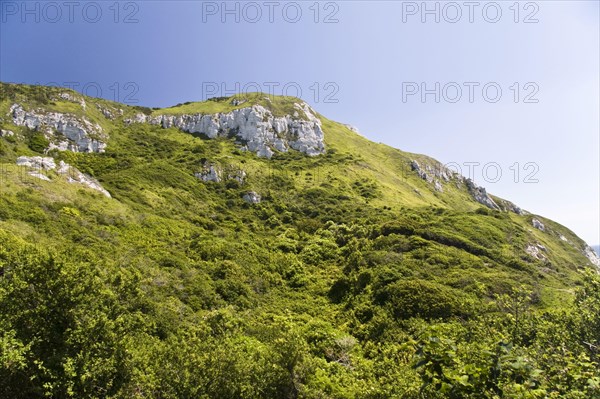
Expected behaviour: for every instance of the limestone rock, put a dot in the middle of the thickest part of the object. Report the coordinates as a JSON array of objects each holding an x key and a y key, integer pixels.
[
  {"x": 431, "y": 172},
  {"x": 73, "y": 98},
  {"x": 592, "y": 256},
  {"x": 508, "y": 206},
  {"x": 563, "y": 238},
  {"x": 6, "y": 133},
  {"x": 108, "y": 114},
  {"x": 238, "y": 175},
  {"x": 81, "y": 134},
  {"x": 37, "y": 162},
  {"x": 538, "y": 225},
  {"x": 210, "y": 172},
  {"x": 72, "y": 175},
  {"x": 435, "y": 173},
  {"x": 216, "y": 173},
  {"x": 39, "y": 175},
  {"x": 255, "y": 128},
  {"x": 235, "y": 102},
  {"x": 536, "y": 251},
  {"x": 422, "y": 174},
  {"x": 480, "y": 195},
  {"x": 252, "y": 197}
]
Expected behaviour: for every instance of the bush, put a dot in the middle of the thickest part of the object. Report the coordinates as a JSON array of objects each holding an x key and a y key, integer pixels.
[
  {"x": 420, "y": 298},
  {"x": 38, "y": 142}
]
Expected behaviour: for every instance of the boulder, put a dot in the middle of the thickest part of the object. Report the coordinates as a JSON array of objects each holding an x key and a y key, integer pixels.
[
  {"x": 37, "y": 162},
  {"x": 210, "y": 172},
  {"x": 538, "y": 225},
  {"x": 252, "y": 197},
  {"x": 536, "y": 251}
]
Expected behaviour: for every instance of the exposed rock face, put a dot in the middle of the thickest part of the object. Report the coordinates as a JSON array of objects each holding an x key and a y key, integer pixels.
[
  {"x": 592, "y": 256},
  {"x": 254, "y": 127},
  {"x": 435, "y": 174},
  {"x": 252, "y": 197},
  {"x": 6, "y": 133},
  {"x": 536, "y": 251},
  {"x": 39, "y": 175},
  {"x": 215, "y": 173},
  {"x": 509, "y": 206},
  {"x": 210, "y": 172},
  {"x": 81, "y": 135},
  {"x": 73, "y": 98},
  {"x": 40, "y": 163},
  {"x": 107, "y": 114},
  {"x": 432, "y": 174},
  {"x": 538, "y": 225},
  {"x": 238, "y": 175},
  {"x": 480, "y": 195},
  {"x": 110, "y": 113},
  {"x": 417, "y": 168},
  {"x": 235, "y": 102},
  {"x": 73, "y": 175}
]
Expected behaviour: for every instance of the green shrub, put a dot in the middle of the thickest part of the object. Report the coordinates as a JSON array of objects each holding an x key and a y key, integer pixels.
[
  {"x": 420, "y": 298},
  {"x": 38, "y": 142}
]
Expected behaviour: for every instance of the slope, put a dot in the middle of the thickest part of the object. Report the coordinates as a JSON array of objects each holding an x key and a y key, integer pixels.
[{"x": 213, "y": 271}]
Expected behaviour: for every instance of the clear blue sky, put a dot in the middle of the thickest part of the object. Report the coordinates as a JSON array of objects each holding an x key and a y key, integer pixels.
[{"x": 359, "y": 68}]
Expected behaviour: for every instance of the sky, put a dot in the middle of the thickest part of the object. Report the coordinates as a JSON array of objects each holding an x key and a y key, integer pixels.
[{"x": 509, "y": 91}]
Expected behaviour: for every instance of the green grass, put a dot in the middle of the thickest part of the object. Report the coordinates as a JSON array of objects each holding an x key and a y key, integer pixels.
[
  {"x": 278, "y": 105},
  {"x": 324, "y": 289}
]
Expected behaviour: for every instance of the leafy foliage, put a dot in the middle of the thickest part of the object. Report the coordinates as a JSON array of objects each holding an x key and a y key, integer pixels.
[{"x": 342, "y": 283}]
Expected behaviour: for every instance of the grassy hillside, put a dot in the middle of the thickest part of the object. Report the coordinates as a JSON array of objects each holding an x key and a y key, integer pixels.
[{"x": 352, "y": 278}]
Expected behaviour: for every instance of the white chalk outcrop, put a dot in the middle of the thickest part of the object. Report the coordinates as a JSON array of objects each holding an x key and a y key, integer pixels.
[
  {"x": 213, "y": 171},
  {"x": 255, "y": 127},
  {"x": 436, "y": 174},
  {"x": 40, "y": 166},
  {"x": 592, "y": 256},
  {"x": 252, "y": 197},
  {"x": 80, "y": 135},
  {"x": 432, "y": 174},
  {"x": 536, "y": 251},
  {"x": 74, "y": 98},
  {"x": 538, "y": 225}
]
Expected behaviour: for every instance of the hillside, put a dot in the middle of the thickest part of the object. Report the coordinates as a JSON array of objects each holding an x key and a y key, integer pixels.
[{"x": 250, "y": 247}]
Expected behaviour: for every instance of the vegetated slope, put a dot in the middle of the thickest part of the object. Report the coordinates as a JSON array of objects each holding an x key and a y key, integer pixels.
[{"x": 363, "y": 272}]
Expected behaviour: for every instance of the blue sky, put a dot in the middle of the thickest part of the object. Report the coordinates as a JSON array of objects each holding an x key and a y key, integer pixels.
[{"x": 360, "y": 62}]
